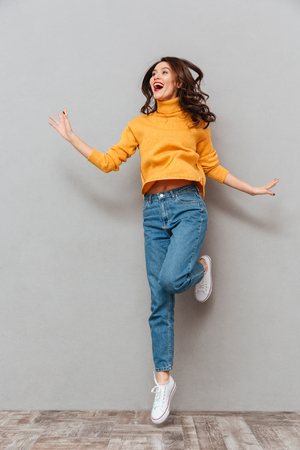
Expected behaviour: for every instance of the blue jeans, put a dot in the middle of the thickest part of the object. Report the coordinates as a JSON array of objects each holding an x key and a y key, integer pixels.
[{"x": 175, "y": 224}]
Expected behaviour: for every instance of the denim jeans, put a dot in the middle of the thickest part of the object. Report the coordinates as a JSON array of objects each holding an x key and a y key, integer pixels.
[{"x": 175, "y": 224}]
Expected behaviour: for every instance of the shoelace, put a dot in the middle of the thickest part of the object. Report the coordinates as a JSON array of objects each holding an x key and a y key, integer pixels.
[
  {"x": 160, "y": 394},
  {"x": 202, "y": 286}
]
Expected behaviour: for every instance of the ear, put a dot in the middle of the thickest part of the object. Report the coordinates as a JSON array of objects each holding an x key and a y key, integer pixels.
[{"x": 179, "y": 85}]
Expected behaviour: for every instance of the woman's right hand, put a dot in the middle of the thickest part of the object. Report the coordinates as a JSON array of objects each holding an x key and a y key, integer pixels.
[{"x": 64, "y": 126}]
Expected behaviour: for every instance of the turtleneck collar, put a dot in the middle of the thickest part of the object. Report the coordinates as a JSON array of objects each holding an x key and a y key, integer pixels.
[{"x": 168, "y": 106}]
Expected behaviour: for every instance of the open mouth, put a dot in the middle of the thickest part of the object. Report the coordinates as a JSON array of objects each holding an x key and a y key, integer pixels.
[{"x": 157, "y": 86}]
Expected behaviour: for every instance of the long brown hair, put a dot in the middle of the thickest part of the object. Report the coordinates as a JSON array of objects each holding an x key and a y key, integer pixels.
[{"x": 190, "y": 96}]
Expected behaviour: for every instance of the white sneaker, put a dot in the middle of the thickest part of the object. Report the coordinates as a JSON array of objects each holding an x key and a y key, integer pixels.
[
  {"x": 162, "y": 400},
  {"x": 204, "y": 288}
]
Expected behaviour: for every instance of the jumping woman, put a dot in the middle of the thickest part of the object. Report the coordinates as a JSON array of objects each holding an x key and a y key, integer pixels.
[{"x": 174, "y": 141}]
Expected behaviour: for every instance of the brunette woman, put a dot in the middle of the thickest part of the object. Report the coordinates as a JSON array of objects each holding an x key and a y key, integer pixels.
[{"x": 174, "y": 141}]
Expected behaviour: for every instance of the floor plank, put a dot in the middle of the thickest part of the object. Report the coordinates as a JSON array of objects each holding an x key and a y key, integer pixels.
[
  {"x": 268, "y": 439},
  {"x": 23, "y": 441},
  {"x": 7, "y": 437},
  {"x": 144, "y": 430},
  {"x": 290, "y": 436},
  {"x": 189, "y": 432},
  {"x": 236, "y": 433},
  {"x": 136, "y": 443},
  {"x": 70, "y": 443},
  {"x": 293, "y": 417},
  {"x": 3, "y": 415},
  {"x": 266, "y": 419},
  {"x": 13, "y": 418},
  {"x": 209, "y": 433},
  {"x": 172, "y": 440}
]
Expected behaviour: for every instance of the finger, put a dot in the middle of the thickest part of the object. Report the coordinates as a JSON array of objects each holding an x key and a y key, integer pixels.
[
  {"x": 52, "y": 125},
  {"x": 269, "y": 186},
  {"x": 272, "y": 184},
  {"x": 60, "y": 116},
  {"x": 54, "y": 120},
  {"x": 65, "y": 116}
]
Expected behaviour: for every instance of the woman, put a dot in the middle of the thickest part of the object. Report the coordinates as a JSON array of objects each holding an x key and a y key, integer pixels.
[{"x": 176, "y": 151}]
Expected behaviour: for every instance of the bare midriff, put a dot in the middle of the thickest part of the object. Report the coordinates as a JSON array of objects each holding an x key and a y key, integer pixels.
[{"x": 167, "y": 185}]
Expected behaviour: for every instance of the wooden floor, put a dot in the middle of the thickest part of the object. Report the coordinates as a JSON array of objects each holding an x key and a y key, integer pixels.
[{"x": 133, "y": 430}]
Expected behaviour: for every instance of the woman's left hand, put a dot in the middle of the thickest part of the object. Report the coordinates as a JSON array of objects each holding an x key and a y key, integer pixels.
[
  {"x": 265, "y": 189},
  {"x": 235, "y": 183}
]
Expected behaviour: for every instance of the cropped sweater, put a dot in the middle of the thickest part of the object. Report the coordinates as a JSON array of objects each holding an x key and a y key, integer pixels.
[{"x": 170, "y": 148}]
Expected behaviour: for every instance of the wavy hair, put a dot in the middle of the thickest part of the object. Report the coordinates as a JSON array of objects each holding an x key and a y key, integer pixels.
[{"x": 190, "y": 96}]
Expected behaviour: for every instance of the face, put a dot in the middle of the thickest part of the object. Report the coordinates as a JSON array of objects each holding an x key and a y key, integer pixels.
[{"x": 163, "y": 82}]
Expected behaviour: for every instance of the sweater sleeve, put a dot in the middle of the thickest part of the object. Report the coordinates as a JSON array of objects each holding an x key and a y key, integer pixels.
[
  {"x": 208, "y": 159},
  {"x": 113, "y": 158}
]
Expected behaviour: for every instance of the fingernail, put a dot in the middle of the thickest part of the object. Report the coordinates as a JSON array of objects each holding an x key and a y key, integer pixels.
[
  {"x": 63, "y": 112},
  {"x": 273, "y": 194}
]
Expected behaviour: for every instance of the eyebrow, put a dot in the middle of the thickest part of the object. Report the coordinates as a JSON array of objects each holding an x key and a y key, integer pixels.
[{"x": 161, "y": 68}]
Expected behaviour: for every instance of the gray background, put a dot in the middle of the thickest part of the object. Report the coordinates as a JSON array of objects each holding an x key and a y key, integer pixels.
[{"x": 74, "y": 295}]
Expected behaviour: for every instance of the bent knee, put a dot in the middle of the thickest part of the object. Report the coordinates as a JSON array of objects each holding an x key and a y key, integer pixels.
[{"x": 172, "y": 284}]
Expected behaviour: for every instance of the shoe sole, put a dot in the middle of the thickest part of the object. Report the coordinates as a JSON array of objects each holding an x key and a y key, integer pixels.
[
  {"x": 166, "y": 414},
  {"x": 211, "y": 283}
]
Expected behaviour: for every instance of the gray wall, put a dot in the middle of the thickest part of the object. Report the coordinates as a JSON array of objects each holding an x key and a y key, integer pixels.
[{"x": 74, "y": 295}]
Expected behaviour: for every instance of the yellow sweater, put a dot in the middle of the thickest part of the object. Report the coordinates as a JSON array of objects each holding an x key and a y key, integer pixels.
[{"x": 169, "y": 148}]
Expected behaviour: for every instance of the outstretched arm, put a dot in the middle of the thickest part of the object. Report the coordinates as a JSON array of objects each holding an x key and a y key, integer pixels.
[
  {"x": 235, "y": 183},
  {"x": 65, "y": 130},
  {"x": 112, "y": 159}
]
